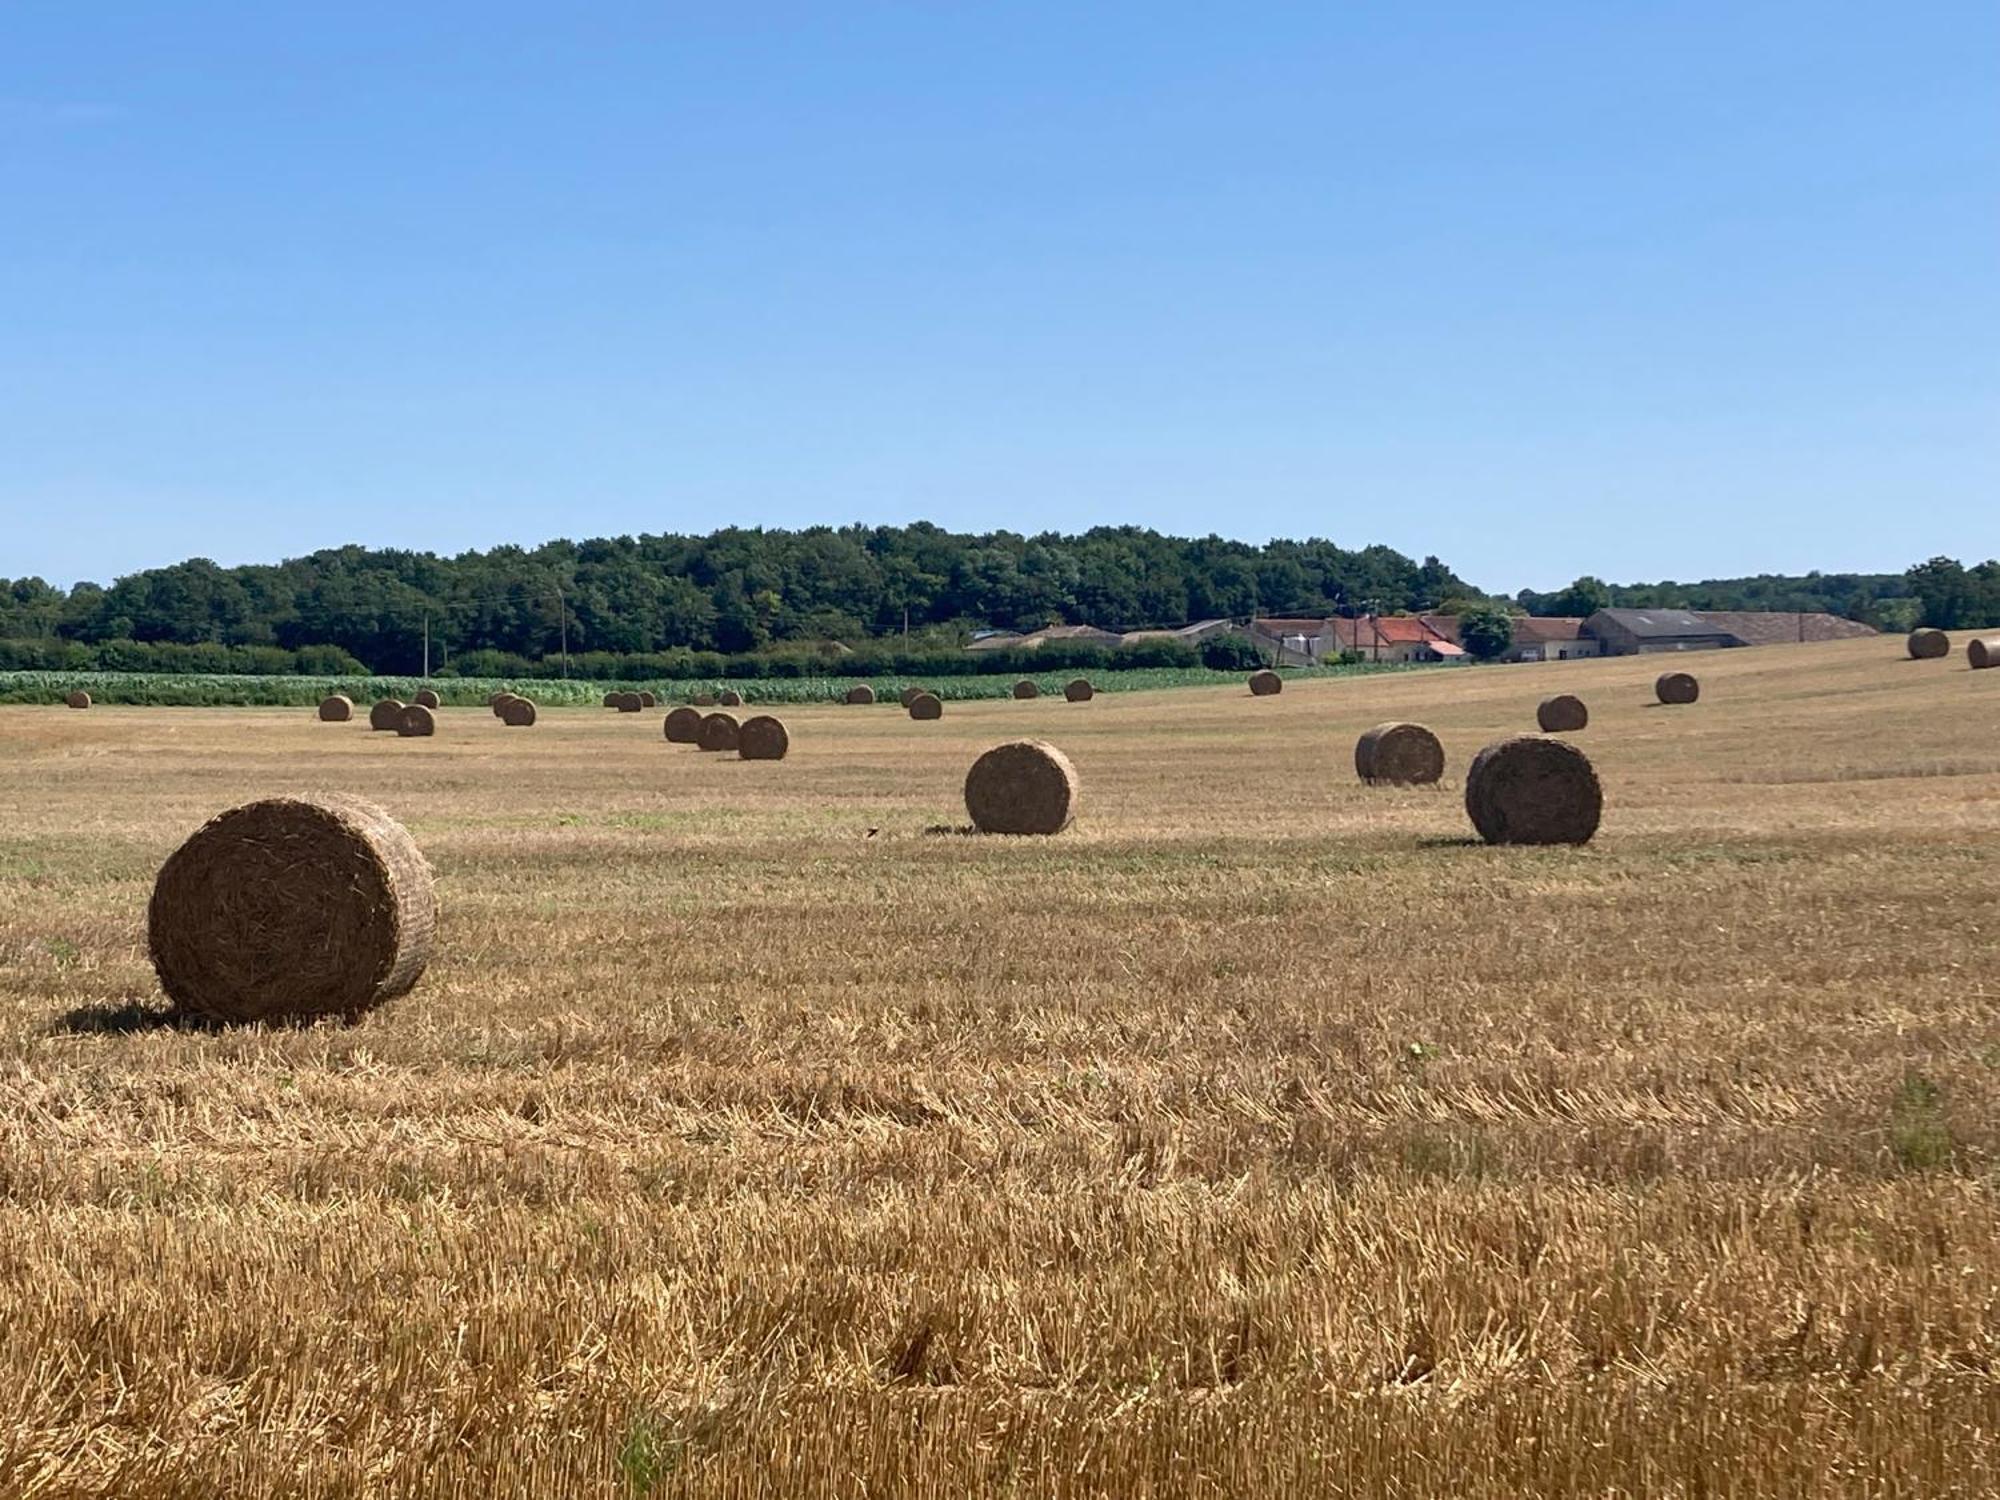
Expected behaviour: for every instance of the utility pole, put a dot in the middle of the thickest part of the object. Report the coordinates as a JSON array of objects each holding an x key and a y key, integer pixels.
[
  {"x": 562, "y": 624},
  {"x": 427, "y": 645}
]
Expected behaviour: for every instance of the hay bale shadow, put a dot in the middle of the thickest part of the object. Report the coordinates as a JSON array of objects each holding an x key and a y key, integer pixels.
[
  {"x": 949, "y": 830},
  {"x": 133, "y": 1017},
  {"x": 1451, "y": 841}
]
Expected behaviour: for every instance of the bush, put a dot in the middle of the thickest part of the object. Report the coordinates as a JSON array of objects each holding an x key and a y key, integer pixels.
[{"x": 1231, "y": 653}]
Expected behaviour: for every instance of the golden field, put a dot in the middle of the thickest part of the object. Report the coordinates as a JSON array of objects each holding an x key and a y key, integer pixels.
[{"x": 756, "y": 1133}]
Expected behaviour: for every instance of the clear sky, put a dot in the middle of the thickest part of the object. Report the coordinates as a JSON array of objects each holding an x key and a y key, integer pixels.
[{"x": 1644, "y": 291}]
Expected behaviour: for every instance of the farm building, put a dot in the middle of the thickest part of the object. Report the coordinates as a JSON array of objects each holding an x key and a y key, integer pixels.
[
  {"x": 1073, "y": 635},
  {"x": 1294, "y": 643},
  {"x": 1190, "y": 635},
  {"x": 1642, "y": 632},
  {"x": 1396, "y": 638},
  {"x": 1383, "y": 638},
  {"x": 1761, "y": 627},
  {"x": 1536, "y": 637},
  {"x": 1551, "y": 638}
]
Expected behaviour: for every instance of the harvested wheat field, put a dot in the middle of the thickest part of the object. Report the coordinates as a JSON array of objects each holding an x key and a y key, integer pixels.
[{"x": 1261, "y": 1134}]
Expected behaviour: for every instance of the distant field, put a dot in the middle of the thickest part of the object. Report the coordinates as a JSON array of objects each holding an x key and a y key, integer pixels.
[
  {"x": 1260, "y": 1136},
  {"x": 204, "y": 690}
]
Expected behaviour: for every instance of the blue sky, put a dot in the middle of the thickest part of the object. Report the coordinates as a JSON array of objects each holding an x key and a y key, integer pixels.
[{"x": 1643, "y": 291}]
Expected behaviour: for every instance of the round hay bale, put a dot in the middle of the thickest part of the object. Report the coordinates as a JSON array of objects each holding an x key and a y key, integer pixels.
[
  {"x": 908, "y": 696},
  {"x": 1398, "y": 755},
  {"x": 500, "y": 702},
  {"x": 493, "y": 699},
  {"x": 416, "y": 722},
  {"x": 1927, "y": 645},
  {"x": 518, "y": 713},
  {"x": 427, "y": 699},
  {"x": 337, "y": 709},
  {"x": 647, "y": 699},
  {"x": 1562, "y": 714},
  {"x": 762, "y": 738},
  {"x": 1266, "y": 684},
  {"x": 861, "y": 692},
  {"x": 703, "y": 700},
  {"x": 1983, "y": 651},
  {"x": 78, "y": 699},
  {"x": 1027, "y": 786},
  {"x": 1024, "y": 689},
  {"x": 926, "y": 706},
  {"x": 610, "y": 700},
  {"x": 1531, "y": 790},
  {"x": 683, "y": 726},
  {"x": 718, "y": 732},
  {"x": 729, "y": 698},
  {"x": 291, "y": 909},
  {"x": 386, "y": 715},
  {"x": 629, "y": 703},
  {"x": 1677, "y": 687},
  {"x": 1079, "y": 691}
]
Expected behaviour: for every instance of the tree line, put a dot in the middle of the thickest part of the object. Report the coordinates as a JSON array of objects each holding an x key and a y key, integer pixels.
[
  {"x": 735, "y": 591},
  {"x": 738, "y": 592}
]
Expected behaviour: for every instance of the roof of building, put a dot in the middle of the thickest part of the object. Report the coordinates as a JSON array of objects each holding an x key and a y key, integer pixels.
[
  {"x": 1540, "y": 629},
  {"x": 994, "y": 640},
  {"x": 1445, "y": 625},
  {"x": 1369, "y": 631},
  {"x": 1278, "y": 625},
  {"x": 1180, "y": 633},
  {"x": 1661, "y": 624},
  {"x": 1762, "y": 627}
]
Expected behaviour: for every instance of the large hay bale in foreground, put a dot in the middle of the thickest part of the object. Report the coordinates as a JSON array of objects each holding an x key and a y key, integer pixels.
[
  {"x": 427, "y": 699},
  {"x": 729, "y": 698},
  {"x": 1398, "y": 755},
  {"x": 337, "y": 709},
  {"x": 518, "y": 713},
  {"x": 762, "y": 738},
  {"x": 1027, "y": 786},
  {"x": 1025, "y": 689},
  {"x": 1677, "y": 687},
  {"x": 861, "y": 692},
  {"x": 1079, "y": 690},
  {"x": 1983, "y": 651},
  {"x": 416, "y": 722},
  {"x": 1531, "y": 790},
  {"x": 719, "y": 731},
  {"x": 926, "y": 706},
  {"x": 1928, "y": 645},
  {"x": 1266, "y": 684},
  {"x": 647, "y": 699},
  {"x": 386, "y": 715},
  {"x": 1562, "y": 714},
  {"x": 78, "y": 699},
  {"x": 290, "y": 909},
  {"x": 683, "y": 726}
]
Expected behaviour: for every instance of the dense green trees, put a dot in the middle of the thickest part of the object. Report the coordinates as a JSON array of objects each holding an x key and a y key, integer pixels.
[
  {"x": 1883, "y": 600},
  {"x": 1952, "y": 596},
  {"x": 1485, "y": 632},
  {"x": 747, "y": 590},
  {"x": 734, "y": 591}
]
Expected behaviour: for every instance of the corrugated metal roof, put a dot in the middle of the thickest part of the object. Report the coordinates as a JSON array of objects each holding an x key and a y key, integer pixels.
[{"x": 1654, "y": 623}]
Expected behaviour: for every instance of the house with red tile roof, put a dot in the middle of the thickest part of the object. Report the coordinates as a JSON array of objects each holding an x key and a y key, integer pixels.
[{"x": 1375, "y": 638}]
